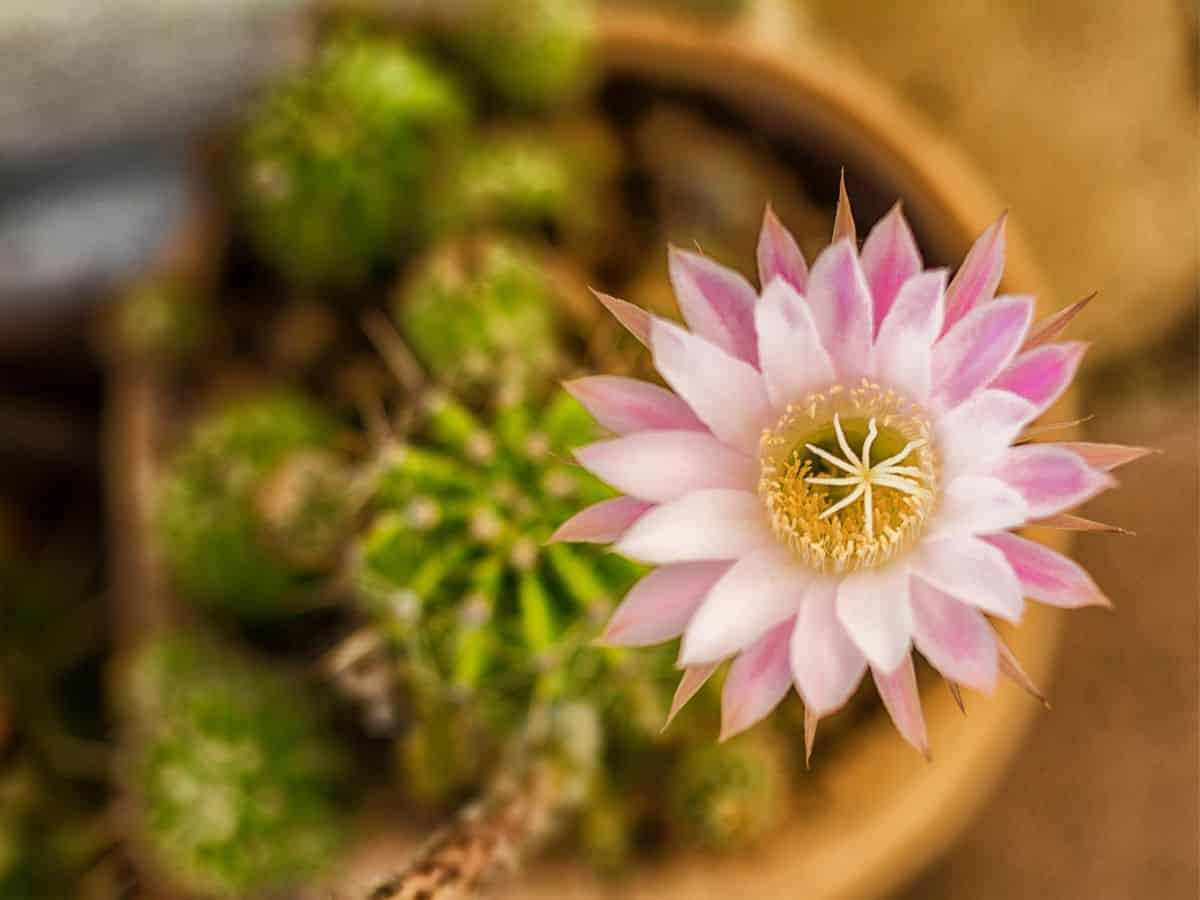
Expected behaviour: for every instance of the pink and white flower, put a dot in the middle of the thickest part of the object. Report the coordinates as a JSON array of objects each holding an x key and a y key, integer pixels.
[{"x": 835, "y": 474}]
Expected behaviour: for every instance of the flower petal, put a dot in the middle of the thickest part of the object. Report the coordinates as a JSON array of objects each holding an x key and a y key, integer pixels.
[
  {"x": 716, "y": 302},
  {"x": 954, "y": 637},
  {"x": 976, "y": 280},
  {"x": 1068, "y": 522},
  {"x": 1105, "y": 457},
  {"x": 1049, "y": 478},
  {"x": 1011, "y": 668},
  {"x": 873, "y": 608},
  {"x": 602, "y": 522},
  {"x": 758, "y": 680},
  {"x": 779, "y": 255},
  {"x": 843, "y": 218},
  {"x": 1047, "y": 329},
  {"x": 664, "y": 465},
  {"x": 690, "y": 683},
  {"x": 720, "y": 524},
  {"x": 1042, "y": 374},
  {"x": 794, "y": 362},
  {"x": 841, "y": 308},
  {"x": 635, "y": 319},
  {"x": 977, "y": 504},
  {"x": 826, "y": 664},
  {"x": 903, "y": 355},
  {"x": 978, "y": 348},
  {"x": 627, "y": 405},
  {"x": 898, "y": 691},
  {"x": 659, "y": 606},
  {"x": 889, "y": 258},
  {"x": 1047, "y": 576},
  {"x": 763, "y": 588},
  {"x": 726, "y": 393},
  {"x": 972, "y": 571},
  {"x": 981, "y": 429}
]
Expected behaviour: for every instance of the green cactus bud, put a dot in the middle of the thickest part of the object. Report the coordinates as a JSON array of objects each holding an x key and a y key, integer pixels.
[
  {"x": 472, "y": 303},
  {"x": 304, "y": 509},
  {"x": 161, "y": 319},
  {"x": 332, "y": 165},
  {"x": 238, "y": 784},
  {"x": 514, "y": 180},
  {"x": 727, "y": 796},
  {"x": 533, "y": 53},
  {"x": 219, "y": 550}
]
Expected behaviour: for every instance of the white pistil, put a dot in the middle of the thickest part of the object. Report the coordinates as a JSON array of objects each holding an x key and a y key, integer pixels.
[{"x": 863, "y": 476}]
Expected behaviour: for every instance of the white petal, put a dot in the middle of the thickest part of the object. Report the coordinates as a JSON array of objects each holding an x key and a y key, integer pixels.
[
  {"x": 717, "y": 524},
  {"x": 726, "y": 393},
  {"x": 664, "y": 465},
  {"x": 898, "y": 691},
  {"x": 826, "y": 664},
  {"x": 873, "y": 607},
  {"x": 979, "y": 348},
  {"x": 973, "y": 571},
  {"x": 762, "y": 589},
  {"x": 758, "y": 680},
  {"x": 977, "y": 504},
  {"x": 904, "y": 348},
  {"x": 716, "y": 302},
  {"x": 660, "y": 605},
  {"x": 981, "y": 429},
  {"x": 955, "y": 638},
  {"x": 840, "y": 301},
  {"x": 793, "y": 360}
]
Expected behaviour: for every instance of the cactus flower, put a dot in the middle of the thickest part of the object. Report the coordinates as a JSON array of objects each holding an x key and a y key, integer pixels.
[{"x": 836, "y": 473}]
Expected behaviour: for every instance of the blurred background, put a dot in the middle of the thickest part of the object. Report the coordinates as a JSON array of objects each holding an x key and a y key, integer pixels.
[{"x": 141, "y": 136}]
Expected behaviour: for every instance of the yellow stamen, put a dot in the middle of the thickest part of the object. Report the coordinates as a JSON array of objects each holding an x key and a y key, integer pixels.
[{"x": 836, "y": 509}]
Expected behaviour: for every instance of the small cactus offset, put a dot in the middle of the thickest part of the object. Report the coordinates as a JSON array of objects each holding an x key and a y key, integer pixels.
[
  {"x": 515, "y": 179},
  {"x": 533, "y": 54},
  {"x": 252, "y": 503},
  {"x": 331, "y": 168},
  {"x": 240, "y": 784},
  {"x": 480, "y": 311}
]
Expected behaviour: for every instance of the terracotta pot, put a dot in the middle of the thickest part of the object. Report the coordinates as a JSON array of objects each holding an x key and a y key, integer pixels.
[{"x": 878, "y": 812}]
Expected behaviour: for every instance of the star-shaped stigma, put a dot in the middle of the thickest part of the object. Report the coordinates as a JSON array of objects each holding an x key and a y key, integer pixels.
[{"x": 863, "y": 476}]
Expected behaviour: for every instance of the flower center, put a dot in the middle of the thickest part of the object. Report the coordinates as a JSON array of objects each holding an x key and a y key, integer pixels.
[{"x": 849, "y": 477}]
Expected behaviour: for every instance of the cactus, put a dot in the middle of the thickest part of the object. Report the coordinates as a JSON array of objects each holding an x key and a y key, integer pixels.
[
  {"x": 331, "y": 167},
  {"x": 515, "y": 179},
  {"x": 479, "y": 311},
  {"x": 238, "y": 783},
  {"x": 221, "y": 518},
  {"x": 455, "y": 568},
  {"x": 533, "y": 53},
  {"x": 727, "y": 796}
]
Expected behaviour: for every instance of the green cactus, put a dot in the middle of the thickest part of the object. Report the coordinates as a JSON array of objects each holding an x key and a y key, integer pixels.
[
  {"x": 331, "y": 167},
  {"x": 533, "y": 53},
  {"x": 511, "y": 180},
  {"x": 486, "y": 616},
  {"x": 480, "y": 311},
  {"x": 220, "y": 540},
  {"x": 727, "y": 796},
  {"x": 238, "y": 782}
]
